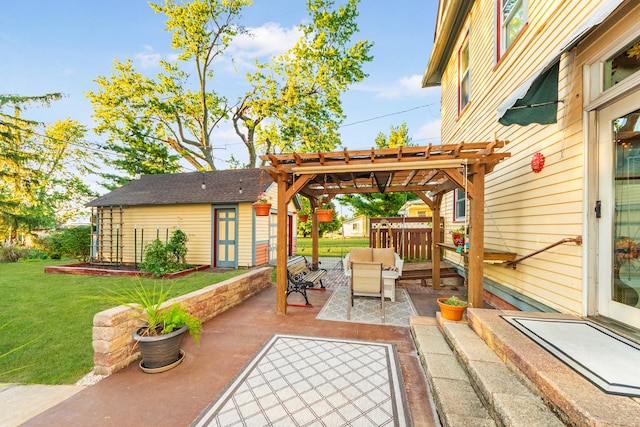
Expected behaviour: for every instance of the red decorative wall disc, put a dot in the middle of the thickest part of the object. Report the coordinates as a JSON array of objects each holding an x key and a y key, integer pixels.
[{"x": 537, "y": 162}]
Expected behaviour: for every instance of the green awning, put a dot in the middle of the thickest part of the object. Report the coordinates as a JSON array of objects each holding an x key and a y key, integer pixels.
[
  {"x": 539, "y": 104},
  {"x": 536, "y": 100}
]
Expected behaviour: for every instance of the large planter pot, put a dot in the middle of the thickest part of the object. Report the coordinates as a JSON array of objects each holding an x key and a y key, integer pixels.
[
  {"x": 262, "y": 209},
  {"x": 160, "y": 350},
  {"x": 325, "y": 215},
  {"x": 451, "y": 312}
]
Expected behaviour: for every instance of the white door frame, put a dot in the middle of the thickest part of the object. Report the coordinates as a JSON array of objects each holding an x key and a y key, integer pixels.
[{"x": 606, "y": 194}]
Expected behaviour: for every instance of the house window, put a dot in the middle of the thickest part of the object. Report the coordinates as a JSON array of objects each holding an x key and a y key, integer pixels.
[
  {"x": 511, "y": 18},
  {"x": 355, "y": 226},
  {"x": 464, "y": 88},
  {"x": 459, "y": 205},
  {"x": 622, "y": 65},
  {"x": 422, "y": 214}
]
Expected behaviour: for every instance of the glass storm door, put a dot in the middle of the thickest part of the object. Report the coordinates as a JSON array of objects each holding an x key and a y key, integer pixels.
[
  {"x": 226, "y": 237},
  {"x": 619, "y": 228}
]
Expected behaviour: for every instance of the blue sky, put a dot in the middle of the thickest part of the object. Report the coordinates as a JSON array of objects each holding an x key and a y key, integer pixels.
[{"x": 63, "y": 46}]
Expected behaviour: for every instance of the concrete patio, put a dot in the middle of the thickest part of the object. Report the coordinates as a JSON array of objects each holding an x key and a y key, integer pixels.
[{"x": 132, "y": 398}]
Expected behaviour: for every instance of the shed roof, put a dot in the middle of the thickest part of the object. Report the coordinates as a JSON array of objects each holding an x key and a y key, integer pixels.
[{"x": 222, "y": 186}]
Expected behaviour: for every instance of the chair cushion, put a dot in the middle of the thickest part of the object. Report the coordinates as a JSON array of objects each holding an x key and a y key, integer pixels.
[
  {"x": 385, "y": 255},
  {"x": 361, "y": 255}
]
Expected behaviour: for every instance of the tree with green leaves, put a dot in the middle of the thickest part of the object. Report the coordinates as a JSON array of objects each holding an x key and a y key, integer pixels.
[
  {"x": 296, "y": 97},
  {"x": 40, "y": 168},
  {"x": 382, "y": 204},
  {"x": 155, "y": 122}
]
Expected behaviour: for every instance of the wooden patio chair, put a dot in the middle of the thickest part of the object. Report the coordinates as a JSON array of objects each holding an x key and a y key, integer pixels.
[{"x": 366, "y": 279}]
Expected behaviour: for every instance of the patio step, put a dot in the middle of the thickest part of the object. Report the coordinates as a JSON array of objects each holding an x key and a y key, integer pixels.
[
  {"x": 576, "y": 400},
  {"x": 470, "y": 384}
]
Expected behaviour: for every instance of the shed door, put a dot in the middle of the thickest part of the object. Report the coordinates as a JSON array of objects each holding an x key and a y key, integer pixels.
[
  {"x": 226, "y": 236},
  {"x": 619, "y": 228}
]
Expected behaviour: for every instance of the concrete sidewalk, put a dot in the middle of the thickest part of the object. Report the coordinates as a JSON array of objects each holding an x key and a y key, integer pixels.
[{"x": 19, "y": 403}]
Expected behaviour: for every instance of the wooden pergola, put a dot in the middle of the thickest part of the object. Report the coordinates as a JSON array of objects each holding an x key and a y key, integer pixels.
[{"x": 427, "y": 171}]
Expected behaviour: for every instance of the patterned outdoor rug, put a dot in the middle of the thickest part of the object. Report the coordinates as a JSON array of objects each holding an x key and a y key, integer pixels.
[
  {"x": 606, "y": 359},
  {"x": 367, "y": 309},
  {"x": 309, "y": 381}
]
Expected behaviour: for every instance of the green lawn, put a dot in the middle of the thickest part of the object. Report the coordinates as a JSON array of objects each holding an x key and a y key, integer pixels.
[
  {"x": 331, "y": 247},
  {"x": 48, "y": 318}
]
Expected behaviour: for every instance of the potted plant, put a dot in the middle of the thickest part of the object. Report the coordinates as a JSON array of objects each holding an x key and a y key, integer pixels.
[
  {"x": 452, "y": 308},
  {"x": 160, "y": 339},
  {"x": 458, "y": 236},
  {"x": 261, "y": 206},
  {"x": 303, "y": 214},
  {"x": 324, "y": 215}
]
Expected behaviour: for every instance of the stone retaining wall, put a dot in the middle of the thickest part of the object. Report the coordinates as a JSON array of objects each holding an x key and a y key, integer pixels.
[{"x": 113, "y": 344}]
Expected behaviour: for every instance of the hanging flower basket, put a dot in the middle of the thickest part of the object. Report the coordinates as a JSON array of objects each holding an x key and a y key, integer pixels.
[
  {"x": 303, "y": 217},
  {"x": 262, "y": 209},
  {"x": 325, "y": 215}
]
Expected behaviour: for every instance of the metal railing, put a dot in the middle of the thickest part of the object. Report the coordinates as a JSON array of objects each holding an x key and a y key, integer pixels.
[{"x": 577, "y": 240}]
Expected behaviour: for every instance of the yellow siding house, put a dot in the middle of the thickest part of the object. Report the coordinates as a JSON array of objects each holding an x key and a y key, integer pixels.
[{"x": 559, "y": 80}]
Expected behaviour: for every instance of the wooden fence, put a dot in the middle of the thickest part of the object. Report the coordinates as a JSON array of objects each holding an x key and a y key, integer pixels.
[{"x": 412, "y": 237}]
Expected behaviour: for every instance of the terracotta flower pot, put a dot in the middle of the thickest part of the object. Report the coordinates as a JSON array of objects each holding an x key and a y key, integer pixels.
[
  {"x": 303, "y": 217},
  {"x": 325, "y": 215},
  {"x": 262, "y": 209},
  {"x": 451, "y": 312}
]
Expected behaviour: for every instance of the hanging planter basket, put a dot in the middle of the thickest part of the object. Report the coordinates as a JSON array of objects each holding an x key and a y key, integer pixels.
[
  {"x": 262, "y": 209},
  {"x": 325, "y": 215},
  {"x": 303, "y": 217}
]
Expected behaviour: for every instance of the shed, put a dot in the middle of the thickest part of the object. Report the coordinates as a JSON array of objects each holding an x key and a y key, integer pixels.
[{"x": 213, "y": 208}]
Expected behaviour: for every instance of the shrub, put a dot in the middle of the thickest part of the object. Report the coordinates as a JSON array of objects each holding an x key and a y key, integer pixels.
[
  {"x": 36, "y": 254},
  {"x": 156, "y": 260},
  {"x": 74, "y": 242},
  {"x": 12, "y": 253},
  {"x": 160, "y": 259}
]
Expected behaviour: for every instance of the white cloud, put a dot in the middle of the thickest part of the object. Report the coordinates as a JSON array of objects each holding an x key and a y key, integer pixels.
[
  {"x": 404, "y": 87},
  {"x": 429, "y": 133},
  {"x": 148, "y": 58},
  {"x": 262, "y": 42},
  {"x": 409, "y": 86}
]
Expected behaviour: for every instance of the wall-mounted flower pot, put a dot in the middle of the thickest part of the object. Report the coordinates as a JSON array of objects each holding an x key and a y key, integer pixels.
[
  {"x": 458, "y": 239},
  {"x": 303, "y": 217},
  {"x": 325, "y": 215},
  {"x": 262, "y": 209},
  {"x": 451, "y": 312}
]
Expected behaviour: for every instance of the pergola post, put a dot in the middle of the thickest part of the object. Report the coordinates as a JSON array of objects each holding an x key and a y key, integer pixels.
[
  {"x": 435, "y": 262},
  {"x": 315, "y": 235},
  {"x": 476, "y": 235},
  {"x": 281, "y": 250}
]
